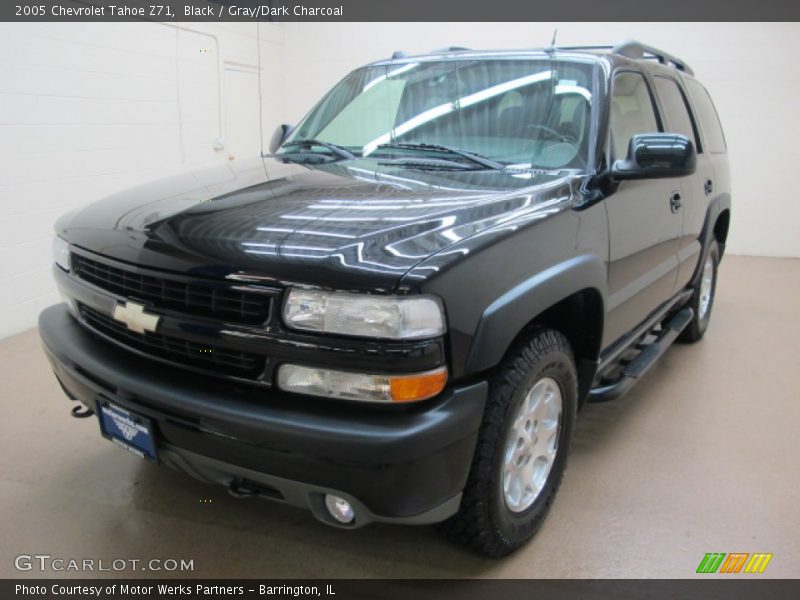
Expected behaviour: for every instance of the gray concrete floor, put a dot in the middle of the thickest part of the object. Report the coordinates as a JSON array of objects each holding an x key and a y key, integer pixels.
[{"x": 701, "y": 456}]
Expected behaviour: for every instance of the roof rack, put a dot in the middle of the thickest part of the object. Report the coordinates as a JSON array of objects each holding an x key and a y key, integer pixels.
[
  {"x": 609, "y": 48},
  {"x": 637, "y": 50},
  {"x": 402, "y": 54},
  {"x": 449, "y": 49},
  {"x": 628, "y": 48}
]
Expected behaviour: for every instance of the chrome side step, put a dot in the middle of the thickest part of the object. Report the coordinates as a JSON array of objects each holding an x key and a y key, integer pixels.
[{"x": 649, "y": 353}]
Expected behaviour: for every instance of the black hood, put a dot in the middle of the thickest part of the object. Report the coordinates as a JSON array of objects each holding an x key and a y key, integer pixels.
[{"x": 354, "y": 225}]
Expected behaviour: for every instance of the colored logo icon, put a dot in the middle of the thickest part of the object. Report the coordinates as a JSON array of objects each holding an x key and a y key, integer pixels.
[{"x": 735, "y": 562}]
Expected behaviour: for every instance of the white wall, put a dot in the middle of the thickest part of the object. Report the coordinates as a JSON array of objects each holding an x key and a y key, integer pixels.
[
  {"x": 749, "y": 68},
  {"x": 88, "y": 109}
]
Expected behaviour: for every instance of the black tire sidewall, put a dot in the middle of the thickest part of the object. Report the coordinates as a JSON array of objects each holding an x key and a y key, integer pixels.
[{"x": 518, "y": 527}]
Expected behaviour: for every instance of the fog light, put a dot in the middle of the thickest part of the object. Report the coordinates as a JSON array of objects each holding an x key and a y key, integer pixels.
[{"x": 340, "y": 509}]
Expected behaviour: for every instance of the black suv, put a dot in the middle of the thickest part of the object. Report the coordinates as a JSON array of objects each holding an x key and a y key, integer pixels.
[{"x": 396, "y": 315}]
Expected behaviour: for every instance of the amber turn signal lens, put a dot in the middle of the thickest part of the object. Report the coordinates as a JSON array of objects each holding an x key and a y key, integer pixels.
[
  {"x": 420, "y": 386},
  {"x": 366, "y": 387}
]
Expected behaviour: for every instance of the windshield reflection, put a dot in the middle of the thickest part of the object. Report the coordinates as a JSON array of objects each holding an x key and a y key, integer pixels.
[{"x": 526, "y": 112}]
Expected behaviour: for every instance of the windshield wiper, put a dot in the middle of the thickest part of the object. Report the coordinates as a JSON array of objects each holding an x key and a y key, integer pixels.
[
  {"x": 339, "y": 151},
  {"x": 428, "y": 164},
  {"x": 471, "y": 156}
]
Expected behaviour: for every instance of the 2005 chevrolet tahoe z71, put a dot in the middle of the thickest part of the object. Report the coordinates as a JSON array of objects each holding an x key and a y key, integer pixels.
[{"x": 397, "y": 313}]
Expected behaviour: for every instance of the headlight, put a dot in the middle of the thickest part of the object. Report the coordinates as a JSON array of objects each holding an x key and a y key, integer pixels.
[
  {"x": 61, "y": 253},
  {"x": 390, "y": 317},
  {"x": 361, "y": 386}
]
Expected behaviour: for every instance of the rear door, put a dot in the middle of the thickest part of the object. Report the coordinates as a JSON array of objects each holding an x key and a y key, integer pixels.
[
  {"x": 713, "y": 138},
  {"x": 644, "y": 227},
  {"x": 695, "y": 188}
]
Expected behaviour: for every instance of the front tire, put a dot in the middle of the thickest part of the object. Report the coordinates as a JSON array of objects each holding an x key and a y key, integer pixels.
[
  {"x": 702, "y": 301},
  {"x": 522, "y": 447}
]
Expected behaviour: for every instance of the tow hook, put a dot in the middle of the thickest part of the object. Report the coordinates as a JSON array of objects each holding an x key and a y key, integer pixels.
[
  {"x": 238, "y": 490},
  {"x": 81, "y": 412},
  {"x": 242, "y": 488}
]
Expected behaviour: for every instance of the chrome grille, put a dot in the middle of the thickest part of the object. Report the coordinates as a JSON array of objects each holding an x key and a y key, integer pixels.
[
  {"x": 183, "y": 352},
  {"x": 192, "y": 298}
]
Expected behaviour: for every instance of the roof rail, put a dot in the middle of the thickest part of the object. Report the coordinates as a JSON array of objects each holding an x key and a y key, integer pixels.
[
  {"x": 637, "y": 50},
  {"x": 583, "y": 47},
  {"x": 448, "y": 49},
  {"x": 398, "y": 54}
]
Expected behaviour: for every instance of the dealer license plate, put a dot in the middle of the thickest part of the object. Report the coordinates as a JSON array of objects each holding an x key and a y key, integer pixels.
[{"x": 127, "y": 429}]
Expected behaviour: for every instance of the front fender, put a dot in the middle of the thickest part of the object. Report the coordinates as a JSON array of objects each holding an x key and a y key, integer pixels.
[{"x": 504, "y": 318}]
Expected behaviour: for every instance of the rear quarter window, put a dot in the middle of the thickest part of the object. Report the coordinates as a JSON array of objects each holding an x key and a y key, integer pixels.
[{"x": 708, "y": 117}]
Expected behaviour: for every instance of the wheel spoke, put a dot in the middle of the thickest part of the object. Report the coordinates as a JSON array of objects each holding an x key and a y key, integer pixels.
[
  {"x": 533, "y": 403},
  {"x": 543, "y": 445},
  {"x": 706, "y": 287},
  {"x": 527, "y": 471}
]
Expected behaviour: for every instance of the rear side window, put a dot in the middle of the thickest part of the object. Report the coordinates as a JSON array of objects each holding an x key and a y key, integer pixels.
[
  {"x": 675, "y": 109},
  {"x": 709, "y": 119},
  {"x": 631, "y": 111}
]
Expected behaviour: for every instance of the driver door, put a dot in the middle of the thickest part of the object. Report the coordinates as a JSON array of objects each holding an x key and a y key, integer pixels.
[{"x": 644, "y": 223}]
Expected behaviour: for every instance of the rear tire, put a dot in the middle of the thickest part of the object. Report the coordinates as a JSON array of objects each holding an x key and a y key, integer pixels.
[
  {"x": 522, "y": 447},
  {"x": 702, "y": 301}
]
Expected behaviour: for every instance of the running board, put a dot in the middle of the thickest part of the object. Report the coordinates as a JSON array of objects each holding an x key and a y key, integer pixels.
[{"x": 649, "y": 354}]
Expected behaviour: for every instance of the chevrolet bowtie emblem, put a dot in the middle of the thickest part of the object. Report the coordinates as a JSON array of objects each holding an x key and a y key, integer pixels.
[{"x": 135, "y": 317}]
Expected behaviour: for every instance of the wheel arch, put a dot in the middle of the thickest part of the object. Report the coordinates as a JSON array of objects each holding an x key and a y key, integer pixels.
[
  {"x": 721, "y": 227},
  {"x": 715, "y": 228},
  {"x": 569, "y": 298}
]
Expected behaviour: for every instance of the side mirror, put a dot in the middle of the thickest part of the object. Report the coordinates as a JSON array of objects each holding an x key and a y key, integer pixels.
[
  {"x": 279, "y": 136},
  {"x": 656, "y": 155}
]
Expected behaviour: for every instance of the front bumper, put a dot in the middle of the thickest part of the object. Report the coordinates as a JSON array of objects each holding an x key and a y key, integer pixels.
[{"x": 406, "y": 466}]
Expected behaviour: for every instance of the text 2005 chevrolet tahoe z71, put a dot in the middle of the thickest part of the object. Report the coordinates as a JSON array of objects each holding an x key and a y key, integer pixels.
[{"x": 397, "y": 314}]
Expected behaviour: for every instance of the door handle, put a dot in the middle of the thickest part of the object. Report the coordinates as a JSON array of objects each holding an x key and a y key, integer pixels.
[
  {"x": 708, "y": 187},
  {"x": 675, "y": 202}
]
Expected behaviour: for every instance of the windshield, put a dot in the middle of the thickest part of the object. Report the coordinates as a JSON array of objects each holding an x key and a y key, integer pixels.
[{"x": 527, "y": 113}]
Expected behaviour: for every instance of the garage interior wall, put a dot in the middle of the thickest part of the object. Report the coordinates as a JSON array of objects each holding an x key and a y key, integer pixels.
[{"x": 88, "y": 109}]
